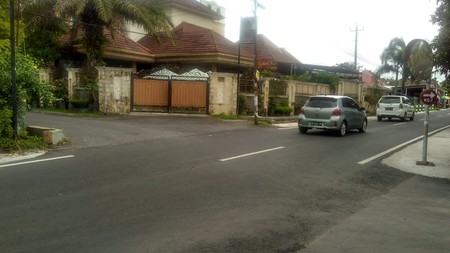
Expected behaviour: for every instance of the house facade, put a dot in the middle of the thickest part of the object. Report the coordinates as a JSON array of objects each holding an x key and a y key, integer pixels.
[
  {"x": 198, "y": 42},
  {"x": 208, "y": 15}
]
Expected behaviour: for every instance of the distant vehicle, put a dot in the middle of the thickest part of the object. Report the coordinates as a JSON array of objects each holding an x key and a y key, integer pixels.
[
  {"x": 393, "y": 106},
  {"x": 329, "y": 112}
]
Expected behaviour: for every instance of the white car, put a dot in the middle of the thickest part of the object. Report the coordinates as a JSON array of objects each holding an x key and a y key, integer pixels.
[{"x": 392, "y": 106}]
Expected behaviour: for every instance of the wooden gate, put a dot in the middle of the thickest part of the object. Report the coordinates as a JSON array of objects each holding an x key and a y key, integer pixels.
[{"x": 170, "y": 95}]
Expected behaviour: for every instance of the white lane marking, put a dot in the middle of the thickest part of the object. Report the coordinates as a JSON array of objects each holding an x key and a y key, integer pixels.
[
  {"x": 250, "y": 154},
  {"x": 36, "y": 161},
  {"x": 399, "y": 146},
  {"x": 398, "y": 124}
]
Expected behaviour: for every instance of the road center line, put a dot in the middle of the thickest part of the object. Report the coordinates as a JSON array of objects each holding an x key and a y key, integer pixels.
[
  {"x": 36, "y": 161},
  {"x": 250, "y": 154},
  {"x": 398, "y": 147}
]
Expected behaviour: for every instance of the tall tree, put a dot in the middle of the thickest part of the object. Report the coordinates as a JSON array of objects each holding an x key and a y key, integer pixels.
[
  {"x": 392, "y": 58},
  {"x": 440, "y": 44},
  {"x": 5, "y": 25},
  {"x": 92, "y": 17},
  {"x": 42, "y": 30}
]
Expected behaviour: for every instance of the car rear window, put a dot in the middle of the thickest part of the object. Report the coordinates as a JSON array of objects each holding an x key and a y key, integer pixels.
[
  {"x": 321, "y": 102},
  {"x": 390, "y": 100}
]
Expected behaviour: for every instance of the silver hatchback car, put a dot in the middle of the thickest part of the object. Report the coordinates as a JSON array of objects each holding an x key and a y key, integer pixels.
[{"x": 329, "y": 112}]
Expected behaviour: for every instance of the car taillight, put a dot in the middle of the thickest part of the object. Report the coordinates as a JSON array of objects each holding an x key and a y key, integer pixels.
[
  {"x": 302, "y": 111},
  {"x": 336, "y": 112}
]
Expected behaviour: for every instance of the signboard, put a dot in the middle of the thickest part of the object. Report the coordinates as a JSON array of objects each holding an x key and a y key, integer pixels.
[
  {"x": 428, "y": 97},
  {"x": 248, "y": 30}
]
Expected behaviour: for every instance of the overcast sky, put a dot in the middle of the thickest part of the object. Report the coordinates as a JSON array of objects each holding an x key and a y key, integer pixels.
[{"x": 322, "y": 32}]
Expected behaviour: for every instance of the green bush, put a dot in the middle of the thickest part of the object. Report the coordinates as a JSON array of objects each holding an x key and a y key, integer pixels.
[
  {"x": 242, "y": 105},
  {"x": 21, "y": 143},
  {"x": 279, "y": 107},
  {"x": 28, "y": 85},
  {"x": 6, "y": 129},
  {"x": 283, "y": 110}
]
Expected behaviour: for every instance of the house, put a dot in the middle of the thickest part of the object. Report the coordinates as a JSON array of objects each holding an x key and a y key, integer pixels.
[
  {"x": 196, "y": 47},
  {"x": 204, "y": 14},
  {"x": 198, "y": 43},
  {"x": 273, "y": 58}
]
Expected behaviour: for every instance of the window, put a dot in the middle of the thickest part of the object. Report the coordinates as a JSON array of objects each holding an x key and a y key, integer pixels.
[
  {"x": 321, "y": 102},
  {"x": 350, "y": 103},
  {"x": 390, "y": 100}
]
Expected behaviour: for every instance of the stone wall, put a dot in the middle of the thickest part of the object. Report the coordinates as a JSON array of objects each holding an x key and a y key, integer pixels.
[
  {"x": 351, "y": 88},
  {"x": 114, "y": 90},
  {"x": 223, "y": 93},
  {"x": 297, "y": 92}
]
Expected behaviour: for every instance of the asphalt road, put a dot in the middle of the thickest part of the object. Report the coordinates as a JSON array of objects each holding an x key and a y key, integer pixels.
[{"x": 170, "y": 183}]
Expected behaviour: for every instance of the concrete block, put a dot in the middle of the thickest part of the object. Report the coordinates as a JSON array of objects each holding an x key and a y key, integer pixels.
[{"x": 51, "y": 136}]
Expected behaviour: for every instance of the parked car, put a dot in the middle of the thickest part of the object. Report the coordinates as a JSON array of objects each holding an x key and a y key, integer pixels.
[
  {"x": 329, "y": 112},
  {"x": 393, "y": 106}
]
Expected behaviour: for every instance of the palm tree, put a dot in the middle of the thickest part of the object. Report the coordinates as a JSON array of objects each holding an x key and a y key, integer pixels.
[
  {"x": 92, "y": 17},
  {"x": 392, "y": 58}
]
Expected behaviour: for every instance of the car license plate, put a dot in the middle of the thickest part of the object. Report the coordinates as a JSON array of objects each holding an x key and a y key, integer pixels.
[
  {"x": 389, "y": 108},
  {"x": 315, "y": 123}
]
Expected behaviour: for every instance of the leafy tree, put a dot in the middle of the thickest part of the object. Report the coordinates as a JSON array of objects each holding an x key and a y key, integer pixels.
[
  {"x": 93, "y": 16},
  {"x": 4, "y": 24},
  {"x": 348, "y": 66},
  {"x": 42, "y": 30},
  {"x": 392, "y": 58},
  {"x": 440, "y": 44},
  {"x": 28, "y": 84}
]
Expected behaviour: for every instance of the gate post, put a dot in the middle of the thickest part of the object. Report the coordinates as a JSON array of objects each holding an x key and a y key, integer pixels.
[{"x": 169, "y": 99}]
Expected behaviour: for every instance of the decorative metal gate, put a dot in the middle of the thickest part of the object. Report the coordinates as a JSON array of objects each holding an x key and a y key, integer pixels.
[{"x": 171, "y": 93}]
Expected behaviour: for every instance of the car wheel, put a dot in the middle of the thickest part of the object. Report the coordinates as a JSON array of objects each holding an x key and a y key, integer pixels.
[
  {"x": 379, "y": 118},
  {"x": 363, "y": 128},
  {"x": 403, "y": 118},
  {"x": 303, "y": 130},
  {"x": 343, "y": 129},
  {"x": 412, "y": 117}
]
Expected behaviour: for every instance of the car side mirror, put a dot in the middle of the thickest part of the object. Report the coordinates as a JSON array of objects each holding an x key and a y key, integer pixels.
[{"x": 362, "y": 108}]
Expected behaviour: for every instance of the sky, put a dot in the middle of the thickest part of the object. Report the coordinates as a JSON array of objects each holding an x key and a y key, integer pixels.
[{"x": 322, "y": 32}]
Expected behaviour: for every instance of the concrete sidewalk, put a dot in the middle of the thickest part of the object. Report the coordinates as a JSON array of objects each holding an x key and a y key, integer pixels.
[
  {"x": 413, "y": 217},
  {"x": 438, "y": 153}
]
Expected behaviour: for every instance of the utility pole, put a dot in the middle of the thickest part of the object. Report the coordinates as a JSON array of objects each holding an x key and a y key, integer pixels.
[
  {"x": 255, "y": 65},
  {"x": 13, "y": 67},
  {"x": 255, "y": 61},
  {"x": 355, "y": 61}
]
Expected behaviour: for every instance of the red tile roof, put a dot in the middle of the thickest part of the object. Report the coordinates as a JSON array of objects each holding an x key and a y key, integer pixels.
[
  {"x": 118, "y": 47},
  {"x": 190, "y": 39},
  {"x": 267, "y": 50},
  {"x": 119, "y": 41}
]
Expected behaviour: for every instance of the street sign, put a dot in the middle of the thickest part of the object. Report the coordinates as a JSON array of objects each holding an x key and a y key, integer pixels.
[{"x": 428, "y": 97}]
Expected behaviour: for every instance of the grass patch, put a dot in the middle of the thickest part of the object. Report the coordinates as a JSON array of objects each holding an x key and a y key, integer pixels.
[
  {"x": 264, "y": 123},
  {"x": 22, "y": 143}
]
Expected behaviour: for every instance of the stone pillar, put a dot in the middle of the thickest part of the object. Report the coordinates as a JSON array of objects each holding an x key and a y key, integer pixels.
[
  {"x": 72, "y": 81},
  {"x": 223, "y": 93},
  {"x": 114, "y": 90}
]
